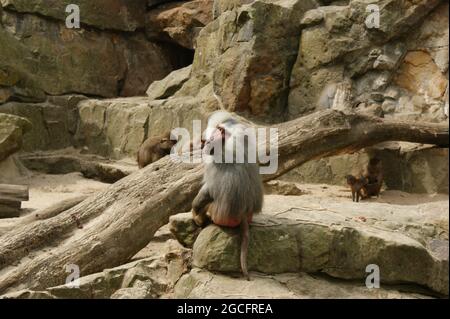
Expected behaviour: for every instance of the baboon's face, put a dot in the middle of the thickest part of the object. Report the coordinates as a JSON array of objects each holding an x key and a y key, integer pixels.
[
  {"x": 217, "y": 137},
  {"x": 167, "y": 144},
  {"x": 351, "y": 180}
]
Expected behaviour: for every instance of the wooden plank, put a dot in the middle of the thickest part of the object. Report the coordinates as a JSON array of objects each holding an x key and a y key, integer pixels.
[
  {"x": 15, "y": 192},
  {"x": 11, "y": 203},
  {"x": 8, "y": 212}
]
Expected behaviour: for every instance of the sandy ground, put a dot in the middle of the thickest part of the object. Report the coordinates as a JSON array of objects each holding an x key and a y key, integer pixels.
[{"x": 46, "y": 190}]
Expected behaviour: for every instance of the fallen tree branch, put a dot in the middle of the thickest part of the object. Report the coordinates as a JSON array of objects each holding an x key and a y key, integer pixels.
[{"x": 120, "y": 221}]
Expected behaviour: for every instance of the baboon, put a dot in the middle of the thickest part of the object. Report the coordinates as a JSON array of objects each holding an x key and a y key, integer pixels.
[
  {"x": 374, "y": 177},
  {"x": 369, "y": 184},
  {"x": 154, "y": 148},
  {"x": 231, "y": 192},
  {"x": 357, "y": 185}
]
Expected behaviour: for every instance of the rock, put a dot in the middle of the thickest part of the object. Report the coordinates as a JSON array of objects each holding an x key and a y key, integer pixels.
[
  {"x": 116, "y": 128},
  {"x": 12, "y": 129},
  {"x": 104, "y": 14},
  {"x": 439, "y": 248},
  {"x": 151, "y": 277},
  {"x": 432, "y": 36},
  {"x": 69, "y": 161},
  {"x": 390, "y": 56},
  {"x": 54, "y": 122},
  {"x": 398, "y": 16},
  {"x": 392, "y": 93},
  {"x": 313, "y": 17},
  {"x": 113, "y": 128},
  {"x": 335, "y": 38},
  {"x": 246, "y": 54},
  {"x": 388, "y": 107},
  {"x": 169, "y": 85},
  {"x": 218, "y": 249},
  {"x": 153, "y": 3},
  {"x": 341, "y": 249},
  {"x": 220, "y": 6},
  {"x": 5, "y": 94},
  {"x": 373, "y": 109},
  {"x": 131, "y": 293},
  {"x": 200, "y": 283},
  {"x": 307, "y": 96},
  {"x": 282, "y": 188},
  {"x": 420, "y": 74},
  {"x": 182, "y": 226},
  {"x": 11, "y": 170},
  {"x": 109, "y": 283},
  {"x": 28, "y": 294},
  {"x": 107, "y": 64},
  {"x": 179, "y": 22}
]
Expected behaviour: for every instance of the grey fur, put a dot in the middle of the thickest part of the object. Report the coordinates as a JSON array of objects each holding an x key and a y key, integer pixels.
[
  {"x": 231, "y": 192},
  {"x": 236, "y": 189}
]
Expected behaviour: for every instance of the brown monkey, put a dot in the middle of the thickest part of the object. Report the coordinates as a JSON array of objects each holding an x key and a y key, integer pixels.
[
  {"x": 232, "y": 191},
  {"x": 374, "y": 177},
  {"x": 357, "y": 185},
  {"x": 154, "y": 148}
]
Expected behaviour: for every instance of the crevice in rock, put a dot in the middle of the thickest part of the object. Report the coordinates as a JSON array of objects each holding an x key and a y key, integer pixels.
[{"x": 179, "y": 56}]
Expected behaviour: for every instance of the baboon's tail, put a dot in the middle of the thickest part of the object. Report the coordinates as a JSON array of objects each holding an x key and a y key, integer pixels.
[{"x": 244, "y": 247}]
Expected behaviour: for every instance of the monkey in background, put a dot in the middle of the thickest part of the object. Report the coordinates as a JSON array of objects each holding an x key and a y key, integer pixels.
[
  {"x": 369, "y": 184},
  {"x": 374, "y": 177},
  {"x": 231, "y": 192},
  {"x": 357, "y": 185},
  {"x": 154, "y": 148}
]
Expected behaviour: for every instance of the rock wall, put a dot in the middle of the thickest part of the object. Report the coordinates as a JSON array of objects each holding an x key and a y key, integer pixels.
[{"x": 108, "y": 56}]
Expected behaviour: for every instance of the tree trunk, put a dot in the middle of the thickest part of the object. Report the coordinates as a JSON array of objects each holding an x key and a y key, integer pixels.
[{"x": 107, "y": 229}]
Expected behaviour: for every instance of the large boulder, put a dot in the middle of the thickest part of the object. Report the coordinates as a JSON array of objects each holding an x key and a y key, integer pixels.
[
  {"x": 221, "y": 6},
  {"x": 337, "y": 237},
  {"x": 169, "y": 85},
  {"x": 40, "y": 56},
  {"x": 146, "y": 278},
  {"x": 336, "y": 46},
  {"x": 117, "y": 127},
  {"x": 54, "y": 121},
  {"x": 247, "y": 54},
  {"x": 201, "y": 283},
  {"x": 179, "y": 22},
  {"x": 12, "y": 129}
]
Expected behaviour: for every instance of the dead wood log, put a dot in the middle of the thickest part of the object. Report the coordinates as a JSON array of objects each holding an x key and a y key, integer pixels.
[
  {"x": 121, "y": 220},
  {"x": 14, "y": 192},
  {"x": 42, "y": 214},
  {"x": 9, "y": 211},
  {"x": 11, "y": 197}
]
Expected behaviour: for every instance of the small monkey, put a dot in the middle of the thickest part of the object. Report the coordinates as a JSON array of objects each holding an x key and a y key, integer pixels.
[
  {"x": 357, "y": 186},
  {"x": 374, "y": 177},
  {"x": 154, "y": 148},
  {"x": 231, "y": 192}
]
